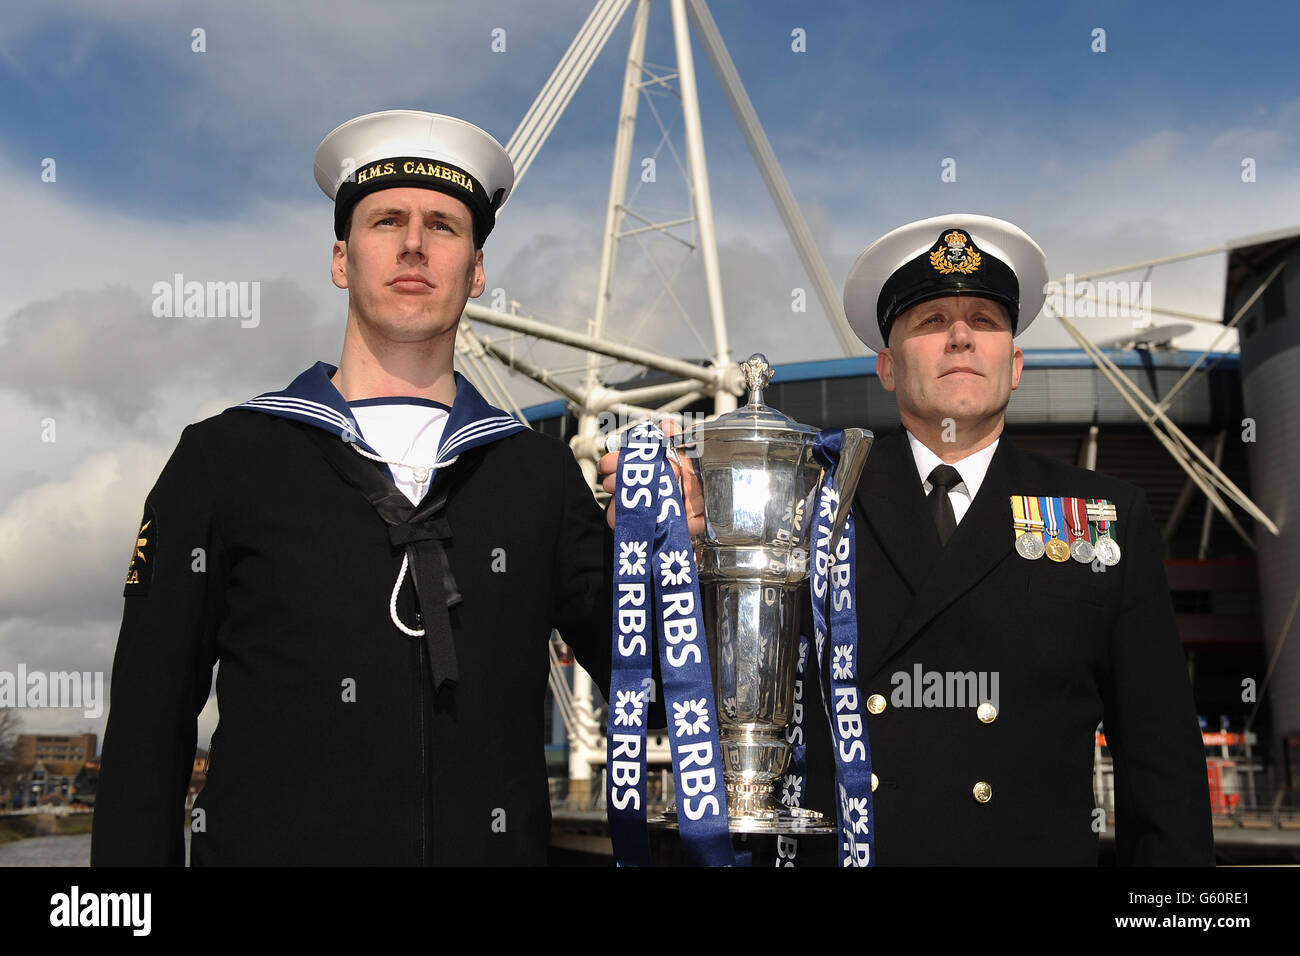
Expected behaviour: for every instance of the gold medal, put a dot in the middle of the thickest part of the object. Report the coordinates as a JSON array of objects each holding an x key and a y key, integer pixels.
[{"x": 1056, "y": 549}]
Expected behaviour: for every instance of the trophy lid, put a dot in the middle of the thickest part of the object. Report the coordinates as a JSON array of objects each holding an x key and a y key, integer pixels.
[{"x": 754, "y": 419}]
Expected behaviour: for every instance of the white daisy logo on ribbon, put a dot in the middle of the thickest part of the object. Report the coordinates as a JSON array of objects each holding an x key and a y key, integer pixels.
[
  {"x": 646, "y": 432},
  {"x": 803, "y": 656},
  {"x": 830, "y": 503},
  {"x": 627, "y": 708},
  {"x": 853, "y": 813},
  {"x": 821, "y": 643},
  {"x": 691, "y": 717},
  {"x": 842, "y": 666},
  {"x": 674, "y": 568},
  {"x": 857, "y": 816},
  {"x": 631, "y": 559},
  {"x": 791, "y": 790},
  {"x": 853, "y": 820}
]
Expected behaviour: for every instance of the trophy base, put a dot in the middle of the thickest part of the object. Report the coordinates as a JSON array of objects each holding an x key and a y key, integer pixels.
[{"x": 782, "y": 820}]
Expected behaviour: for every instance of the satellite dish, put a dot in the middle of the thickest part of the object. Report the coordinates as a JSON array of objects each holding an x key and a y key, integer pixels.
[{"x": 1157, "y": 338}]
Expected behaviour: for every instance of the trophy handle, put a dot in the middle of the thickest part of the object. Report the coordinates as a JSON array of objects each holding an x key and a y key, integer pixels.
[{"x": 853, "y": 456}]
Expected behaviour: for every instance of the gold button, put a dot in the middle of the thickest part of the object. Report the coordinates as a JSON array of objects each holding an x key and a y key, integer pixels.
[
  {"x": 875, "y": 782},
  {"x": 983, "y": 792},
  {"x": 986, "y": 712},
  {"x": 876, "y": 704}
]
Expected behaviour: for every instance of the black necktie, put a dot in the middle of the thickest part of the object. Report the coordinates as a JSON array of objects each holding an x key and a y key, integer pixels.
[{"x": 942, "y": 478}]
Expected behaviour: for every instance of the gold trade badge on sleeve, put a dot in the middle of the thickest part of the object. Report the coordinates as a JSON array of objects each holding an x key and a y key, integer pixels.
[{"x": 140, "y": 571}]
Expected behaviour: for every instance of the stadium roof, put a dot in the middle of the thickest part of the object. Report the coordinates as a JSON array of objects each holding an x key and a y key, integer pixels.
[{"x": 1154, "y": 364}]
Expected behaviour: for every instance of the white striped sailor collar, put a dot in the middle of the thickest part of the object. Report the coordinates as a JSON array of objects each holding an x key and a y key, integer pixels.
[{"x": 311, "y": 398}]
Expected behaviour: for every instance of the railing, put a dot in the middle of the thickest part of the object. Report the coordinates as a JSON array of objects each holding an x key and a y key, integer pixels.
[
  {"x": 1241, "y": 792},
  {"x": 590, "y": 795}
]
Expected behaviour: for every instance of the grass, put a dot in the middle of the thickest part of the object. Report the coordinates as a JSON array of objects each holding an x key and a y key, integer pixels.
[{"x": 21, "y": 828}]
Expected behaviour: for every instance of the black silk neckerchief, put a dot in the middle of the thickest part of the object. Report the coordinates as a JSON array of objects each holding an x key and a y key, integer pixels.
[{"x": 421, "y": 531}]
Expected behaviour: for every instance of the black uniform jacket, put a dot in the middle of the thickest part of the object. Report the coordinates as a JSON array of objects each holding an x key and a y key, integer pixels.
[
  {"x": 1071, "y": 645},
  {"x": 332, "y": 745}
]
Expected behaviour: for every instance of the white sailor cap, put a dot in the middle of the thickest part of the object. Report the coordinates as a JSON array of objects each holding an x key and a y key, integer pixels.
[
  {"x": 957, "y": 254},
  {"x": 413, "y": 148}
]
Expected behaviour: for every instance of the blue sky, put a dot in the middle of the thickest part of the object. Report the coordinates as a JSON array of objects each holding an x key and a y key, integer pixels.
[
  {"x": 141, "y": 124},
  {"x": 200, "y": 163}
]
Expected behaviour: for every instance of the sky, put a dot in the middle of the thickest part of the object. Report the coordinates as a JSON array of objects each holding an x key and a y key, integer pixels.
[{"x": 128, "y": 156}]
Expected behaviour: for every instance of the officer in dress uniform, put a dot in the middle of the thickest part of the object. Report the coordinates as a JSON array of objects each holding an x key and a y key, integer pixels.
[
  {"x": 1008, "y": 603},
  {"x": 375, "y": 555}
]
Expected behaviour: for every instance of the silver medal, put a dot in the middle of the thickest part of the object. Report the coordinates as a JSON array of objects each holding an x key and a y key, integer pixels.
[
  {"x": 1030, "y": 546},
  {"x": 1082, "y": 551},
  {"x": 1107, "y": 551}
]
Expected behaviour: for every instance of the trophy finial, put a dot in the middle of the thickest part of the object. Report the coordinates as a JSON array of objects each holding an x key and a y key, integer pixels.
[{"x": 757, "y": 376}]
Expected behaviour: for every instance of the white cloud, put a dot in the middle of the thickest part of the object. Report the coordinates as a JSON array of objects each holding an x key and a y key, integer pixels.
[
  {"x": 68, "y": 541},
  {"x": 64, "y": 548}
]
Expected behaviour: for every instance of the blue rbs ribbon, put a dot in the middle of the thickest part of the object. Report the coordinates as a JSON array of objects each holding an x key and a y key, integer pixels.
[
  {"x": 657, "y": 604},
  {"x": 833, "y": 580},
  {"x": 792, "y": 784}
]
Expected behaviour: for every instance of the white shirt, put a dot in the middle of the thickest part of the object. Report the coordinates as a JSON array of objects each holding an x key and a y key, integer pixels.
[
  {"x": 404, "y": 429},
  {"x": 972, "y": 469}
]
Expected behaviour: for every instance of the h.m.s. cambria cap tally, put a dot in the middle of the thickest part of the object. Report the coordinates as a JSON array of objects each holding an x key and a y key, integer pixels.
[{"x": 397, "y": 148}]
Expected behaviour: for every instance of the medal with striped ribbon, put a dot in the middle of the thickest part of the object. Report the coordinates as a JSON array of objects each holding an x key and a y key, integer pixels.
[
  {"x": 1028, "y": 527},
  {"x": 1076, "y": 518},
  {"x": 1054, "y": 514},
  {"x": 1104, "y": 514}
]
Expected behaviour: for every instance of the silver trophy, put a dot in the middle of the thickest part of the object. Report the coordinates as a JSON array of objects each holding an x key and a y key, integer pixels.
[{"x": 760, "y": 480}]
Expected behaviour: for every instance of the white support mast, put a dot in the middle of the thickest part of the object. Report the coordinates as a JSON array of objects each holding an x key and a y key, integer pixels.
[
  {"x": 587, "y": 419},
  {"x": 702, "y": 200},
  {"x": 725, "y": 70},
  {"x": 718, "y": 379}
]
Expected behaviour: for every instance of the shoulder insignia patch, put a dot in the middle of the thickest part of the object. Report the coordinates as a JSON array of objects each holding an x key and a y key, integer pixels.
[{"x": 140, "y": 571}]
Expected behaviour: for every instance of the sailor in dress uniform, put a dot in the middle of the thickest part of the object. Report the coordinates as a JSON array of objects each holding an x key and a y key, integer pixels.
[
  {"x": 1008, "y": 603},
  {"x": 376, "y": 557}
]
